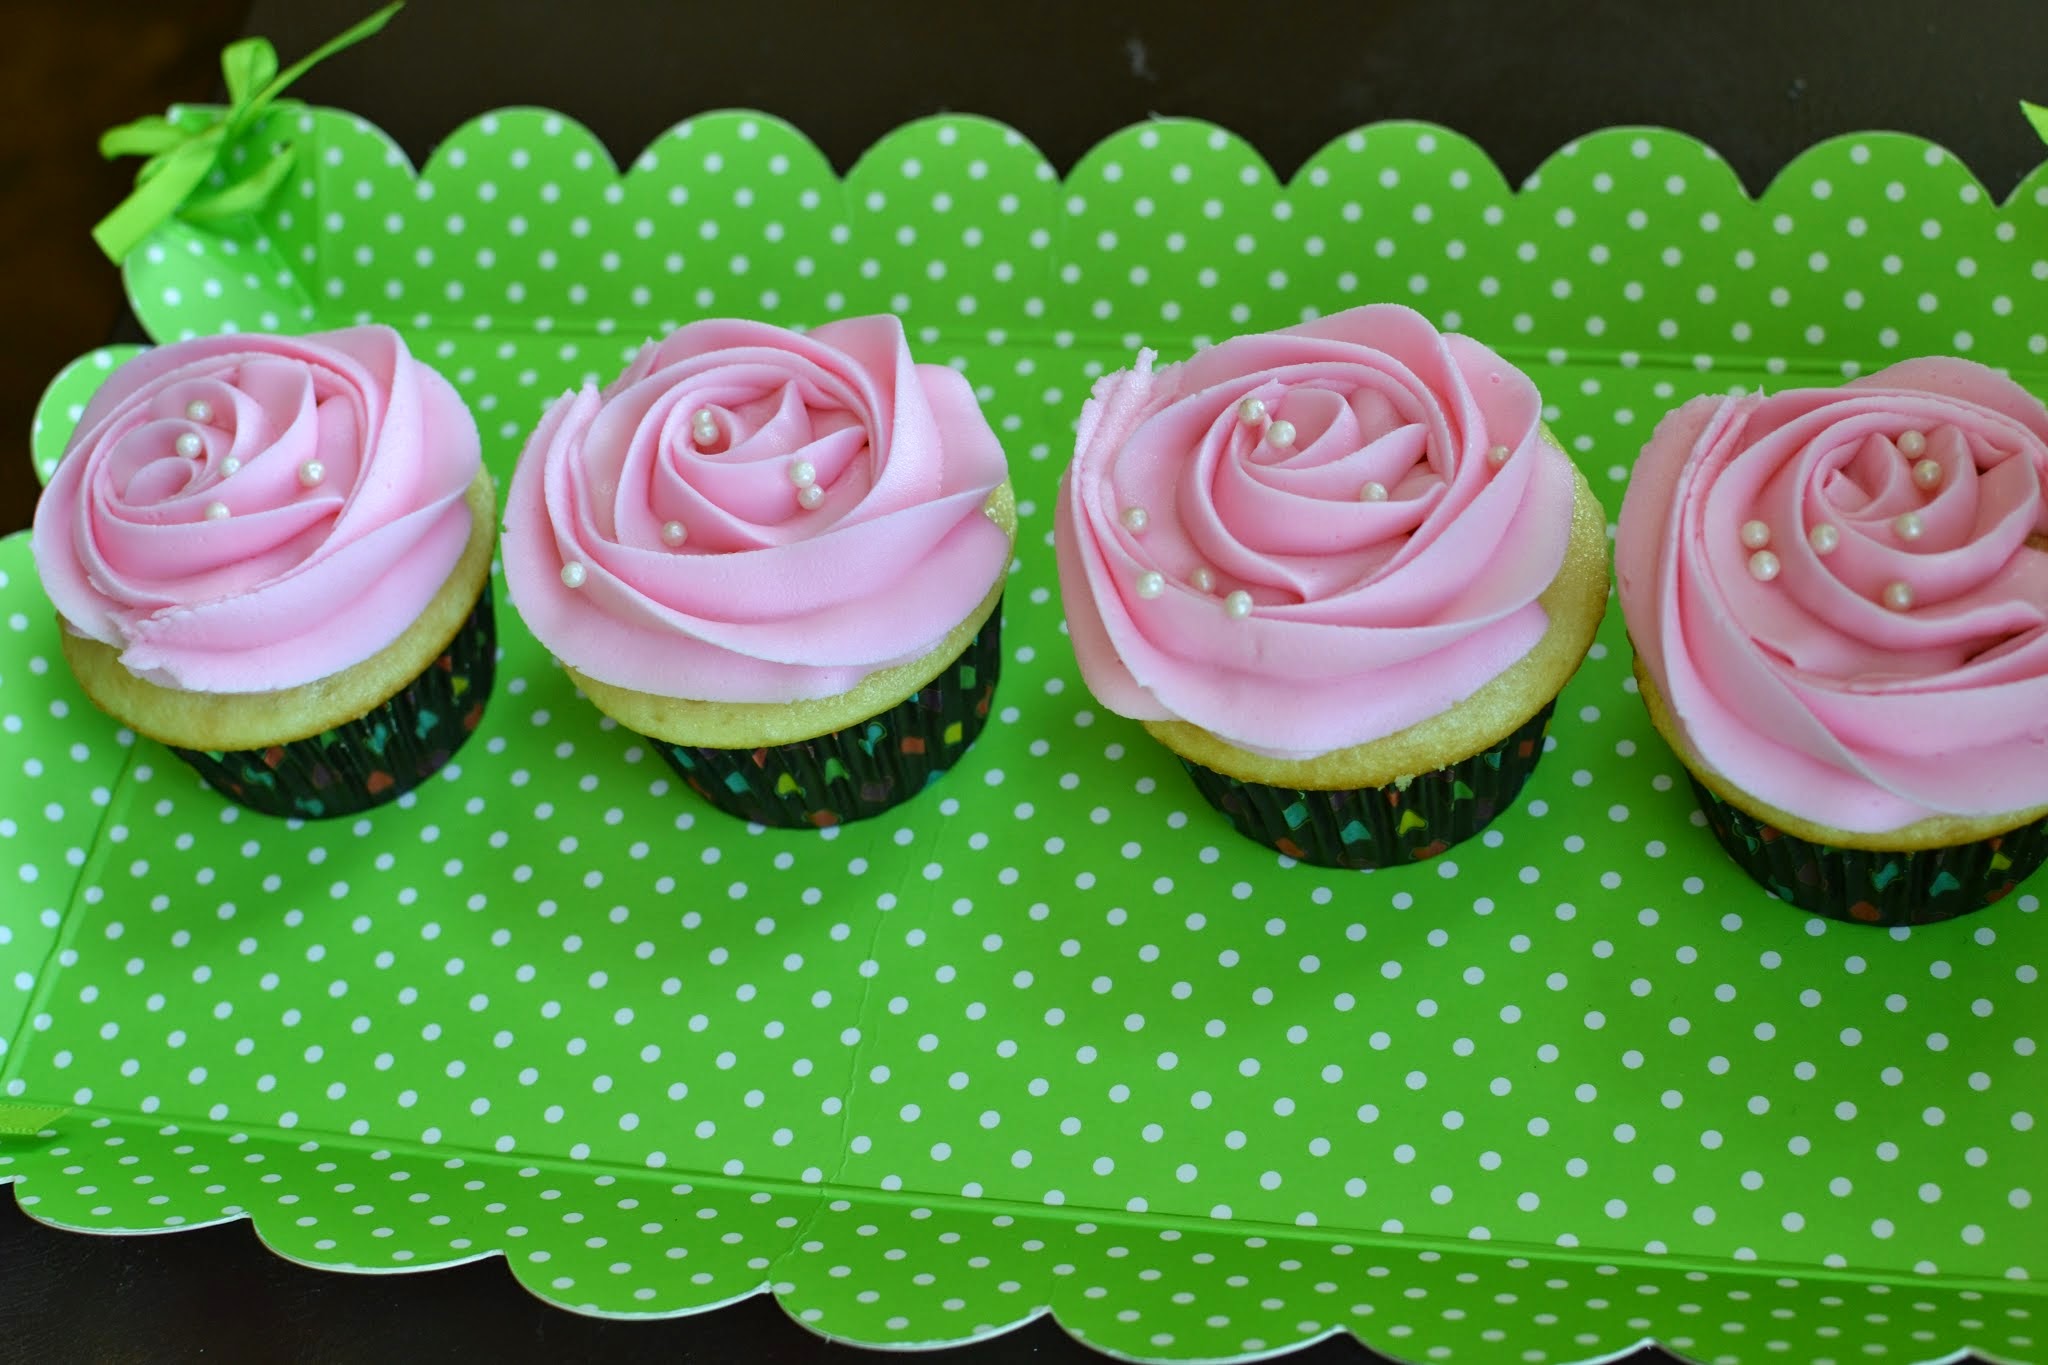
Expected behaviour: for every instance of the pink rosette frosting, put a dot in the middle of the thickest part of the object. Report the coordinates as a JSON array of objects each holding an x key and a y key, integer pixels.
[
  {"x": 1308, "y": 539},
  {"x": 1834, "y": 592},
  {"x": 751, "y": 514},
  {"x": 246, "y": 513}
]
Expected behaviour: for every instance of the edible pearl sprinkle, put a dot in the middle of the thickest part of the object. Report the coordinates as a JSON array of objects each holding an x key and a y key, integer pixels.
[
  {"x": 1203, "y": 579},
  {"x": 1151, "y": 583},
  {"x": 573, "y": 575},
  {"x": 310, "y": 474},
  {"x": 1927, "y": 474},
  {"x": 1498, "y": 456},
  {"x": 1911, "y": 444},
  {"x": 1899, "y": 596},
  {"x": 1907, "y": 524},
  {"x": 1280, "y": 434},
  {"x": 1373, "y": 492},
  {"x": 1763, "y": 566},
  {"x": 1136, "y": 519},
  {"x": 704, "y": 426},
  {"x": 674, "y": 533},
  {"x": 189, "y": 444},
  {"x": 1238, "y": 605},
  {"x": 229, "y": 466},
  {"x": 810, "y": 496},
  {"x": 1824, "y": 538},
  {"x": 1755, "y": 534},
  {"x": 1251, "y": 412},
  {"x": 803, "y": 473},
  {"x": 199, "y": 410},
  {"x": 216, "y": 511}
]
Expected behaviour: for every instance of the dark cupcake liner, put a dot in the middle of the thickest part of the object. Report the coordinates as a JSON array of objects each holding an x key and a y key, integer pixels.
[
  {"x": 1865, "y": 887},
  {"x": 1373, "y": 827},
  {"x": 861, "y": 770},
  {"x": 380, "y": 755}
]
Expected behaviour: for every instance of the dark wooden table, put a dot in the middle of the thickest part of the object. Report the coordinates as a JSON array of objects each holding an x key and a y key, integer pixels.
[{"x": 1759, "y": 79}]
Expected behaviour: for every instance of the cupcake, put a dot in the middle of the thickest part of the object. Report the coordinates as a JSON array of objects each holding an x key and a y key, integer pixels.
[
  {"x": 1341, "y": 570},
  {"x": 1839, "y": 605},
  {"x": 272, "y": 554},
  {"x": 780, "y": 557}
]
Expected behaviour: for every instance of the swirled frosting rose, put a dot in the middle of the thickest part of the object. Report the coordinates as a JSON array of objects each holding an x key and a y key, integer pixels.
[
  {"x": 1837, "y": 593},
  {"x": 750, "y": 514},
  {"x": 248, "y": 513},
  {"x": 1309, "y": 539}
]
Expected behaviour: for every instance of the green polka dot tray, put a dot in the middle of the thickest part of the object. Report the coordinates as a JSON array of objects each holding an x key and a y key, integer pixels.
[{"x": 1051, "y": 1037}]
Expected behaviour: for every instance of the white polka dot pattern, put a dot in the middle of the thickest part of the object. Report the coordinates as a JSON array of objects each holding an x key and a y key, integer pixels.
[{"x": 1050, "y": 1037}]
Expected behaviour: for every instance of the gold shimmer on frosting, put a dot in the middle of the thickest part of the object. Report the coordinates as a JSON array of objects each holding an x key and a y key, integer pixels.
[
  {"x": 1574, "y": 602},
  {"x": 752, "y": 725},
  {"x": 254, "y": 720}
]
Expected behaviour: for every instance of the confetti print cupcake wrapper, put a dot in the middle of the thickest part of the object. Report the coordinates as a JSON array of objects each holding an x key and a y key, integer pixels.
[
  {"x": 1866, "y": 887},
  {"x": 1377, "y": 827},
  {"x": 377, "y": 757},
  {"x": 864, "y": 769}
]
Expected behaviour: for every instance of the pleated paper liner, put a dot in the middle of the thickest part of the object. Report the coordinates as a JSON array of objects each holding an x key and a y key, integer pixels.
[
  {"x": 863, "y": 769},
  {"x": 1866, "y": 887},
  {"x": 377, "y": 757},
  {"x": 1375, "y": 827}
]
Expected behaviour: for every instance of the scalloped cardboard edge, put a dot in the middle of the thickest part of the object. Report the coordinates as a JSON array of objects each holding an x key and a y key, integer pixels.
[
  {"x": 817, "y": 1203},
  {"x": 1775, "y": 336}
]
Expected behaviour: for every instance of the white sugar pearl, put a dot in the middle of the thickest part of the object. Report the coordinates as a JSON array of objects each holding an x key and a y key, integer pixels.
[
  {"x": 216, "y": 511},
  {"x": 1899, "y": 596},
  {"x": 674, "y": 533},
  {"x": 229, "y": 466},
  {"x": 311, "y": 473},
  {"x": 1373, "y": 492},
  {"x": 1238, "y": 605},
  {"x": 573, "y": 575},
  {"x": 1907, "y": 524},
  {"x": 188, "y": 444},
  {"x": 704, "y": 426},
  {"x": 810, "y": 497},
  {"x": 803, "y": 473},
  {"x": 1763, "y": 566},
  {"x": 1136, "y": 519},
  {"x": 1203, "y": 579},
  {"x": 1498, "y": 456},
  {"x": 1151, "y": 583},
  {"x": 1912, "y": 444},
  {"x": 1251, "y": 412},
  {"x": 199, "y": 410},
  {"x": 1824, "y": 537},
  {"x": 1280, "y": 435},
  {"x": 1927, "y": 474},
  {"x": 1755, "y": 534}
]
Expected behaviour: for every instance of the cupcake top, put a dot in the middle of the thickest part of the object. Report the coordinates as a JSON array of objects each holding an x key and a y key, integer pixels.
[
  {"x": 750, "y": 514},
  {"x": 1314, "y": 538},
  {"x": 1841, "y": 594},
  {"x": 250, "y": 513}
]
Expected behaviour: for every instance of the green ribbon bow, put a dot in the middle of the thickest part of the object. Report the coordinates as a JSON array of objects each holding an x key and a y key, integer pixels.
[{"x": 181, "y": 157}]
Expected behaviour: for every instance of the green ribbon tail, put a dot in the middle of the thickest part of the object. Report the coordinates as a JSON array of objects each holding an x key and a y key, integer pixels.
[
  {"x": 145, "y": 137},
  {"x": 242, "y": 196},
  {"x": 155, "y": 199},
  {"x": 180, "y": 158},
  {"x": 2038, "y": 116},
  {"x": 348, "y": 37}
]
